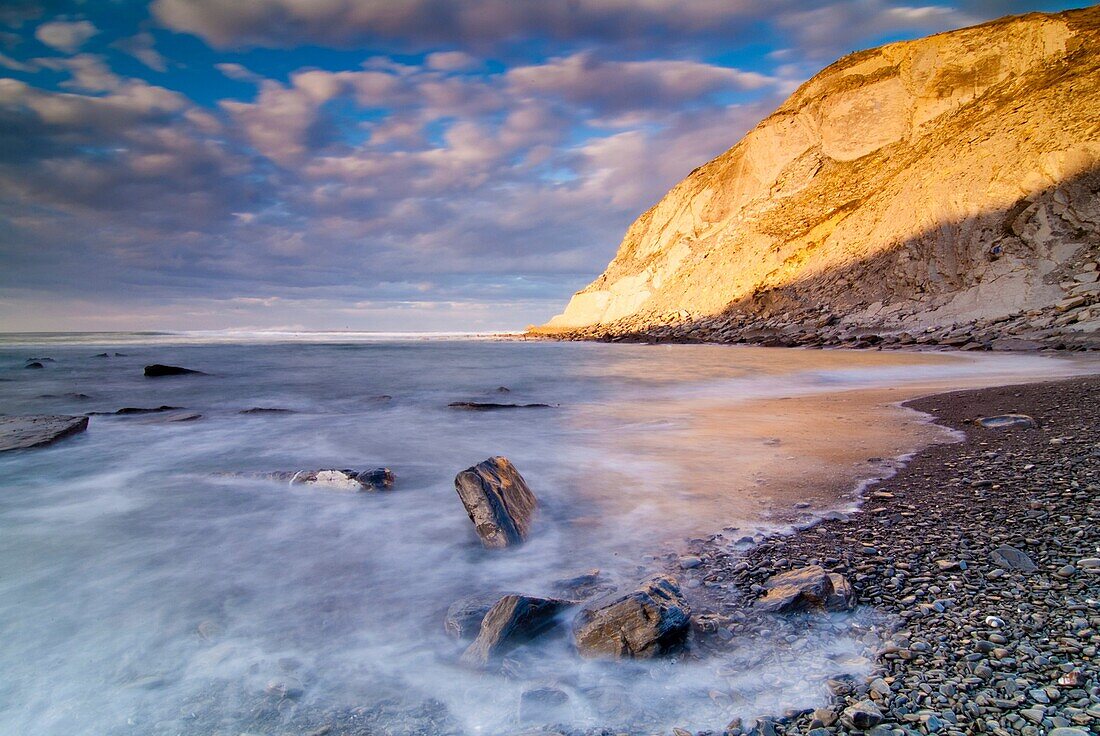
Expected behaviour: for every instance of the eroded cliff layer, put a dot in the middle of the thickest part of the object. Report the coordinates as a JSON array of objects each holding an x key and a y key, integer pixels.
[{"x": 947, "y": 181}]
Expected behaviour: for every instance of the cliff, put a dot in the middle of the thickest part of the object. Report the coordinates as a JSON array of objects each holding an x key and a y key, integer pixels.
[{"x": 922, "y": 189}]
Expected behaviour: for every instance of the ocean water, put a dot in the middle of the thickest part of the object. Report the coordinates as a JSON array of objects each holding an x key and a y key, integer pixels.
[{"x": 150, "y": 585}]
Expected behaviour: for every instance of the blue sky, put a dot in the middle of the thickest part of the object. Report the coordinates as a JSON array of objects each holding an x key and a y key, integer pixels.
[{"x": 374, "y": 164}]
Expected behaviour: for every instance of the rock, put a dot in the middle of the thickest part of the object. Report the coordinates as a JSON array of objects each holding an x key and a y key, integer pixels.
[
  {"x": 23, "y": 432},
  {"x": 376, "y": 479},
  {"x": 796, "y": 590},
  {"x": 1011, "y": 558},
  {"x": 513, "y": 620},
  {"x": 648, "y": 622},
  {"x": 584, "y": 586},
  {"x": 157, "y": 371},
  {"x": 843, "y": 598},
  {"x": 129, "y": 410},
  {"x": 34, "y": 365},
  {"x": 498, "y": 501},
  {"x": 543, "y": 704},
  {"x": 265, "y": 410},
  {"x": 464, "y": 616},
  {"x": 690, "y": 562},
  {"x": 1014, "y": 343},
  {"x": 1067, "y": 731},
  {"x": 1003, "y": 421},
  {"x": 862, "y": 716},
  {"x": 491, "y": 406}
]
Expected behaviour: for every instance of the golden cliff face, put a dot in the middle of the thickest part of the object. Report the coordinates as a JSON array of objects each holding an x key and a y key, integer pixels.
[{"x": 947, "y": 179}]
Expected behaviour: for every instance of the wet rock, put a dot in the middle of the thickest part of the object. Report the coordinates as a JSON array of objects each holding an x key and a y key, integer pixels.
[
  {"x": 376, "y": 479},
  {"x": 584, "y": 586},
  {"x": 130, "y": 410},
  {"x": 842, "y": 598},
  {"x": 512, "y": 621},
  {"x": 646, "y": 623},
  {"x": 862, "y": 716},
  {"x": 498, "y": 502},
  {"x": 464, "y": 616},
  {"x": 1011, "y": 558},
  {"x": 797, "y": 590},
  {"x": 158, "y": 370},
  {"x": 493, "y": 406},
  {"x": 265, "y": 410},
  {"x": 545, "y": 704},
  {"x": 34, "y": 365},
  {"x": 23, "y": 432},
  {"x": 1003, "y": 421}
]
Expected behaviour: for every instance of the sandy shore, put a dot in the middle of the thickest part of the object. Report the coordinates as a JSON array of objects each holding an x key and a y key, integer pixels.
[{"x": 962, "y": 645}]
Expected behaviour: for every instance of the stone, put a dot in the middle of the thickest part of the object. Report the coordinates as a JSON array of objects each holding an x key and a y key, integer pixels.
[
  {"x": 130, "y": 410},
  {"x": 24, "y": 432},
  {"x": 651, "y": 621},
  {"x": 796, "y": 590},
  {"x": 512, "y": 621},
  {"x": 376, "y": 479},
  {"x": 862, "y": 716},
  {"x": 843, "y": 597},
  {"x": 498, "y": 502},
  {"x": 265, "y": 410},
  {"x": 157, "y": 370},
  {"x": 1013, "y": 559},
  {"x": 34, "y": 365},
  {"x": 464, "y": 616},
  {"x": 1003, "y": 421},
  {"x": 544, "y": 704},
  {"x": 584, "y": 586}
]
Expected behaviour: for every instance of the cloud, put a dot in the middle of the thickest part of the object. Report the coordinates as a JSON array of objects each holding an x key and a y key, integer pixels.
[
  {"x": 66, "y": 36},
  {"x": 142, "y": 47}
]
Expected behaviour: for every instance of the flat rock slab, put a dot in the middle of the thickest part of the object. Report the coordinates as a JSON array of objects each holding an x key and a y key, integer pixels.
[
  {"x": 493, "y": 406},
  {"x": 643, "y": 624},
  {"x": 20, "y": 433},
  {"x": 512, "y": 621},
  {"x": 157, "y": 370},
  {"x": 1003, "y": 421},
  {"x": 797, "y": 590},
  {"x": 498, "y": 501},
  {"x": 1013, "y": 559}
]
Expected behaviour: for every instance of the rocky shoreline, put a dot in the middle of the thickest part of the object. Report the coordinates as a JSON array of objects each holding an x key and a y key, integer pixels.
[{"x": 981, "y": 557}]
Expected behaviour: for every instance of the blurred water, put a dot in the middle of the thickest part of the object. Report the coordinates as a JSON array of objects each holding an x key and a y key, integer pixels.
[{"x": 144, "y": 591}]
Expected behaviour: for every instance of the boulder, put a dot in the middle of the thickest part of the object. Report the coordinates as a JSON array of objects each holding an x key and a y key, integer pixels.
[
  {"x": 1003, "y": 421},
  {"x": 376, "y": 479},
  {"x": 512, "y": 621},
  {"x": 648, "y": 622},
  {"x": 464, "y": 616},
  {"x": 843, "y": 598},
  {"x": 157, "y": 371},
  {"x": 20, "y": 433},
  {"x": 797, "y": 590},
  {"x": 498, "y": 501},
  {"x": 1012, "y": 559}
]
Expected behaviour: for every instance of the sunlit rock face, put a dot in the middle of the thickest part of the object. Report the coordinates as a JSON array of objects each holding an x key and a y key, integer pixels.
[{"x": 946, "y": 179}]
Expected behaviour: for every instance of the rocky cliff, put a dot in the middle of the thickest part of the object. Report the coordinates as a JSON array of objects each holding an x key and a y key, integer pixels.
[{"x": 941, "y": 190}]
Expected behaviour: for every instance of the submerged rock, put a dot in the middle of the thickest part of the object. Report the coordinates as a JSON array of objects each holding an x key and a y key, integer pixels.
[
  {"x": 584, "y": 586},
  {"x": 797, "y": 590},
  {"x": 493, "y": 406},
  {"x": 545, "y": 704},
  {"x": 157, "y": 370},
  {"x": 513, "y": 620},
  {"x": 648, "y": 622},
  {"x": 34, "y": 365},
  {"x": 498, "y": 501},
  {"x": 376, "y": 479},
  {"x": 20, "y": 433},
  {"x": 464, "y": 616},
  {"x": 1003, "y": 421},
  {"x": 129, "y": 410},
  {"x": 266, "y": 410}
]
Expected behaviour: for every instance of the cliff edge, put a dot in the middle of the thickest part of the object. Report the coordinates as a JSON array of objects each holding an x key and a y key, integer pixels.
[{"x": 938, "y": 190}]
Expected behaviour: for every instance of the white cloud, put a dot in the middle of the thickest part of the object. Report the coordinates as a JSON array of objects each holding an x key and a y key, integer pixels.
[{"x": 67, "y": 36}]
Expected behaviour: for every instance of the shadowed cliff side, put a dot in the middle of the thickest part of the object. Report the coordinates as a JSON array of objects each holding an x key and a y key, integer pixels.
[{"x": 945, "y": 181}]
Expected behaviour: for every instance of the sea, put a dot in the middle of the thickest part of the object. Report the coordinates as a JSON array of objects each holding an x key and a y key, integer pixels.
[{"x": 154, "y": 579}]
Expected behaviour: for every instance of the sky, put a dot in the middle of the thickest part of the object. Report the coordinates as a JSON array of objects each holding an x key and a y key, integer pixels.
[{"x": 374, "y": 164}]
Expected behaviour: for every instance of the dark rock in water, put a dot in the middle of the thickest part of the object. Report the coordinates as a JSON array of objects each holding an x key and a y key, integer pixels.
[
  {"x": 266, "y": 410},
  {"x": 498, "y": 501},
  {"x": 128, "y": 410},
  {"x": 186, "y": 416},
  {"x": 375, "y": 479},
  {"x": 862, "y": 716},
  {"x": 1002, "y": 421},
  {"x": 76, "y": 396},
  {"x": 34, "y": 366},
  {"x": 584, "y": 586},
  {"x": 513, "y": 620},
  {"x": 101, "y": 355},
  {"x": 491, "y": 406},
  {"x": 464, "y": 616},
  {"x": 546, "y": 704},
  {"x": 503, "y": 390},
  {"x": 843, "y": 598},
  {"x": 19, "y": 433},
  {"x": 646, "y": 623},
  {"x": 157, "y": 371},
  {"x": 1011, "y": 558},
  {"x": 797, "y": 590},
  {"x": 41, "y": 360}
]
